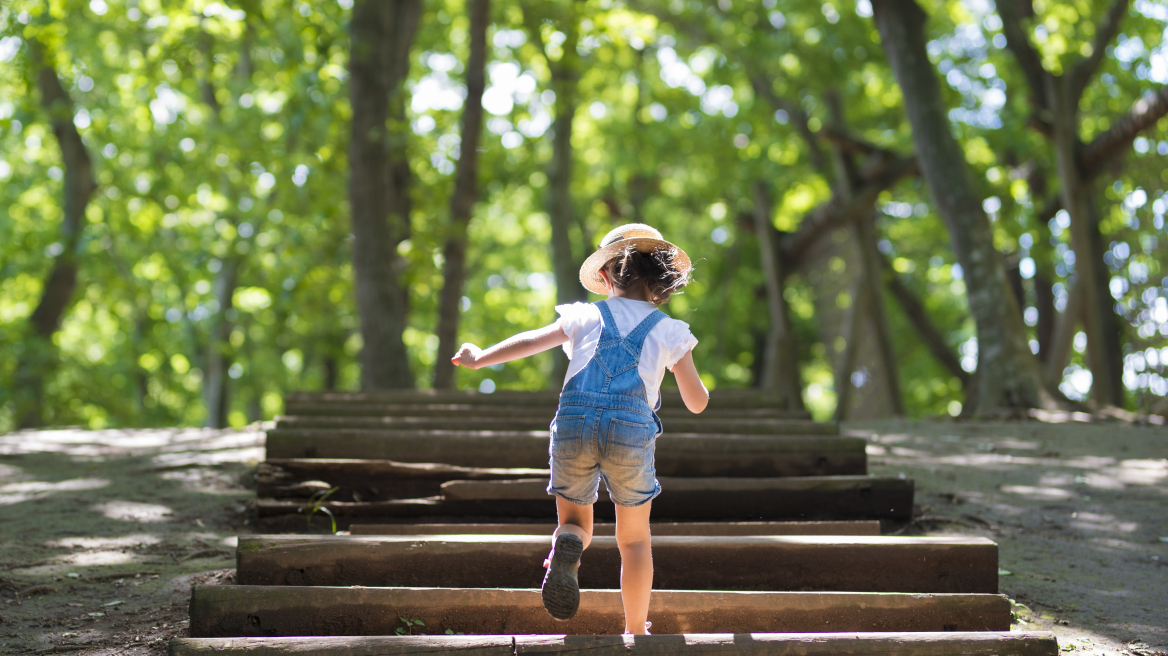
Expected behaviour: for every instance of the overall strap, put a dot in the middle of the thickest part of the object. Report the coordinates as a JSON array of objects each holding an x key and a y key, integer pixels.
[
  {"x": 608, "y": 330},
  {"x": 636, "y": 339}
]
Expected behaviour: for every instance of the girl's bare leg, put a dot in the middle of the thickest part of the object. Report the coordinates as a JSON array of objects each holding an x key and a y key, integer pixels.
[
  {"x": 574, "y": 519},
  {"x": 633, "y": 540}
]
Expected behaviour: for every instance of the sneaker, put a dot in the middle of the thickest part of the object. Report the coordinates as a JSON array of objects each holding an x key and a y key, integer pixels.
[{"x": 561, "y": 589}]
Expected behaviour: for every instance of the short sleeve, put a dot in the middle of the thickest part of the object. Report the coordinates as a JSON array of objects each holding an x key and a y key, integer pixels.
[
  {"x": 573, "y": 316},
  {"x": 679, "y": 342}
]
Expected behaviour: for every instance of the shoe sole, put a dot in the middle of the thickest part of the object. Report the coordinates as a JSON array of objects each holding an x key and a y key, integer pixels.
[{"x": 561, "y": 589}]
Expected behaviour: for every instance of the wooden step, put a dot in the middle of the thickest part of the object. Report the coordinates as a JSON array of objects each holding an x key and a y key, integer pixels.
[
  {"x": 529, "y": 421},
  {"x": 986, "y": 643},
  {"x": 670, "y": 399},
  {"x": 676, "y": 454},
  {"x": 245, "y": 611},
  {"x": 369, "y": 480},
  {"x": 771, "y": 563},
  {"x": 546, "y": 412},
  {"x": 682, "y": 499},
  {"x": 660, "y": 529}
]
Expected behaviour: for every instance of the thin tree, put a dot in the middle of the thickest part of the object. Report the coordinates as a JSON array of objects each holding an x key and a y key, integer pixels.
[
  {"x": 39, "y": 357},
  {"x": 1009, "y": 377},
  {"x": 382, "y": 34},
  {"x": 780, "y": 367},
  {"x": 465, "y": 194}
]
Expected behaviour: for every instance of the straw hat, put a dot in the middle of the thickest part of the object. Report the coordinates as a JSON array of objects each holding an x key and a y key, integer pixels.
[{"x": 638, "y": 235}]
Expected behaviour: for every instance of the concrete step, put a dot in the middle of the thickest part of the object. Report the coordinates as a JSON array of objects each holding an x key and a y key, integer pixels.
[
  {"x": 670, "y": 399},
  {"x": 683, "y": 499},
  {"x": 771, "y": 563},
  {"x": 660, "y": 529},
  {"x": 676, "y": 454},
  {"x": 539, "y": 422},
  {"x": 370, "y": 480},
  {"x": 246, "y": 611},
  {"x": 987, "y": 643},
  {"x": 313, "y": 408}
]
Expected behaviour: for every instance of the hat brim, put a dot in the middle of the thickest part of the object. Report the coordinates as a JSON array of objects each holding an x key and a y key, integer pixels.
[{"x": 590, "y": 270}]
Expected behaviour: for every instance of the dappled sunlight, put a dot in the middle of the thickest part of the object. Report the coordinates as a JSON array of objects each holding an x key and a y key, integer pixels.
[
  {"x": 29, "y": 490},
  {"x": 95, "y": 558},
  {"x": 188, "y": 446},
  {"x": 1039, "y": 493},
  {"x": 132, "y": 511},
  {"x": 123, "y": 541}
]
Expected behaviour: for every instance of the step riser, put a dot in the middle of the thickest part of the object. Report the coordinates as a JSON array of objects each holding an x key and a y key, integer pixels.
[
  {"x": 675, "y": 456},
  {"x": 660, "y": 529},
  {"x": 754, "y": 644},
  {"x": 529, "y": 423},
  {"x": 258, "y": 611},
  {"x": 764, "y": 564},
  {"x": 860, "y": 503}
]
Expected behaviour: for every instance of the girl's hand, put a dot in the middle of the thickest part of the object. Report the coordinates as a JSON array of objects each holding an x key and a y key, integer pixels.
[{"x": 467, "y": 356}]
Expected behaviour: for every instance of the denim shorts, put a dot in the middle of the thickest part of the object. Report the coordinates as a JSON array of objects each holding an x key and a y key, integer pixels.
[{"x": 588, "y": 444}]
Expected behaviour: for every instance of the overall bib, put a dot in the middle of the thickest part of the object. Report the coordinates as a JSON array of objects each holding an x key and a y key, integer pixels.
[{"x": 604, "y": 427}]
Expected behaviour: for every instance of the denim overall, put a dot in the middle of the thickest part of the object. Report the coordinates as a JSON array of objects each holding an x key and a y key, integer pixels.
[{"x": 604, "y": 427}]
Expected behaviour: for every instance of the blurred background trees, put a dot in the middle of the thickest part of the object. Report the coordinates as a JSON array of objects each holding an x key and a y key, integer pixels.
[{"x": 207, "y": 204}]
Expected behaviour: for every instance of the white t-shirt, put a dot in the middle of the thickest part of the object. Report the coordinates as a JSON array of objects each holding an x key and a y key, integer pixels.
[{"x": 665, "y": 344}]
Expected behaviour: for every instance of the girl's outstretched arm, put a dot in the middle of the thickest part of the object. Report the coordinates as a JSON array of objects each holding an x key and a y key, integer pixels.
[
  {"x": 512, "y": 348},
  {"x": 693, "y": 391}
]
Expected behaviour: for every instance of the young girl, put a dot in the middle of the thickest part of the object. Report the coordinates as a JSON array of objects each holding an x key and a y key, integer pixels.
[{"x": 606, "y": 426}]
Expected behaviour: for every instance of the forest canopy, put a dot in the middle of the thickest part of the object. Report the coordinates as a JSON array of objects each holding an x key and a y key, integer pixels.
[{"x": 182, "y": 183}]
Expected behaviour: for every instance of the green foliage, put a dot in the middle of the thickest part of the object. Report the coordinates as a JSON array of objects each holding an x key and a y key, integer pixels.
[{"x": 219, "y": 134}]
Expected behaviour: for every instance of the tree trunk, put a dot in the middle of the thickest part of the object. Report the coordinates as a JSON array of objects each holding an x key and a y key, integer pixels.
[
  {"x": 381, "y": 36},
  {"x": 873, "y": 292},
  {"x": 1090, "y": 272},
  {"x": 780, "y": 368},
  {"x": 1063, "y": 336},
  {"x": 852, "y": 325},
  {"x": 1047, "y": 317},
  {"x": 465, "y": 195},
  {"x": 565, "y": 76},
  {"x": 1009, "y": 376},
  {"x": 219, "y": 350},
  {"x": 39, "y": 356}
]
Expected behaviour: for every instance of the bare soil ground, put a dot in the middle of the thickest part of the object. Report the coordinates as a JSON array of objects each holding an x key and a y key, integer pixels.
[{"x": 102, "y": 533}]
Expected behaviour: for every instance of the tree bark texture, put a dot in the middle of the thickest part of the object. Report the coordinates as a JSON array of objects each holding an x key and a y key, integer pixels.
[
  {"x": 381, "y": 36},
  {"x": 780, "y": 368},
  {"x": 1009, "y": 375},
  {"x": 465, "y": 195},
  {"x": 39, "y": 356}
]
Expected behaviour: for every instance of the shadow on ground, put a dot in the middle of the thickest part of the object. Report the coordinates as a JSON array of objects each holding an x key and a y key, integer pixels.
[
  {"x": 102, "y": 533},
  {"x": 1077, "y": 509}
]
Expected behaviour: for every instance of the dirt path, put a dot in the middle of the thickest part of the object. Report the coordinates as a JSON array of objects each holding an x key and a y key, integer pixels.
[
  {"x": 103, "y": 532},
  {"x": 1080, "y": 512}
]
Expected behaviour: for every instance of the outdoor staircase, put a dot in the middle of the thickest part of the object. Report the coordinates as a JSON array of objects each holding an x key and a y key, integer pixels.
[{"x": 767, "y": 540}]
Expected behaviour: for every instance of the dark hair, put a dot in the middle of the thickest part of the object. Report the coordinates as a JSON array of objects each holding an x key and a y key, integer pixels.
[{"x": 655, "y": 271}]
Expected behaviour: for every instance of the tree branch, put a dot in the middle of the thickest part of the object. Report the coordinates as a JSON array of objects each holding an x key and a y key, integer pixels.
[
  {"x": 762, "y": 88},
  {"x": 932, "y": 336},
  {"x": 1107, "y": 29},
  {"x": 836, "y": 213},
  {"x": 1143, "y": 115},
  {"x": 1018, "y": 42}
]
